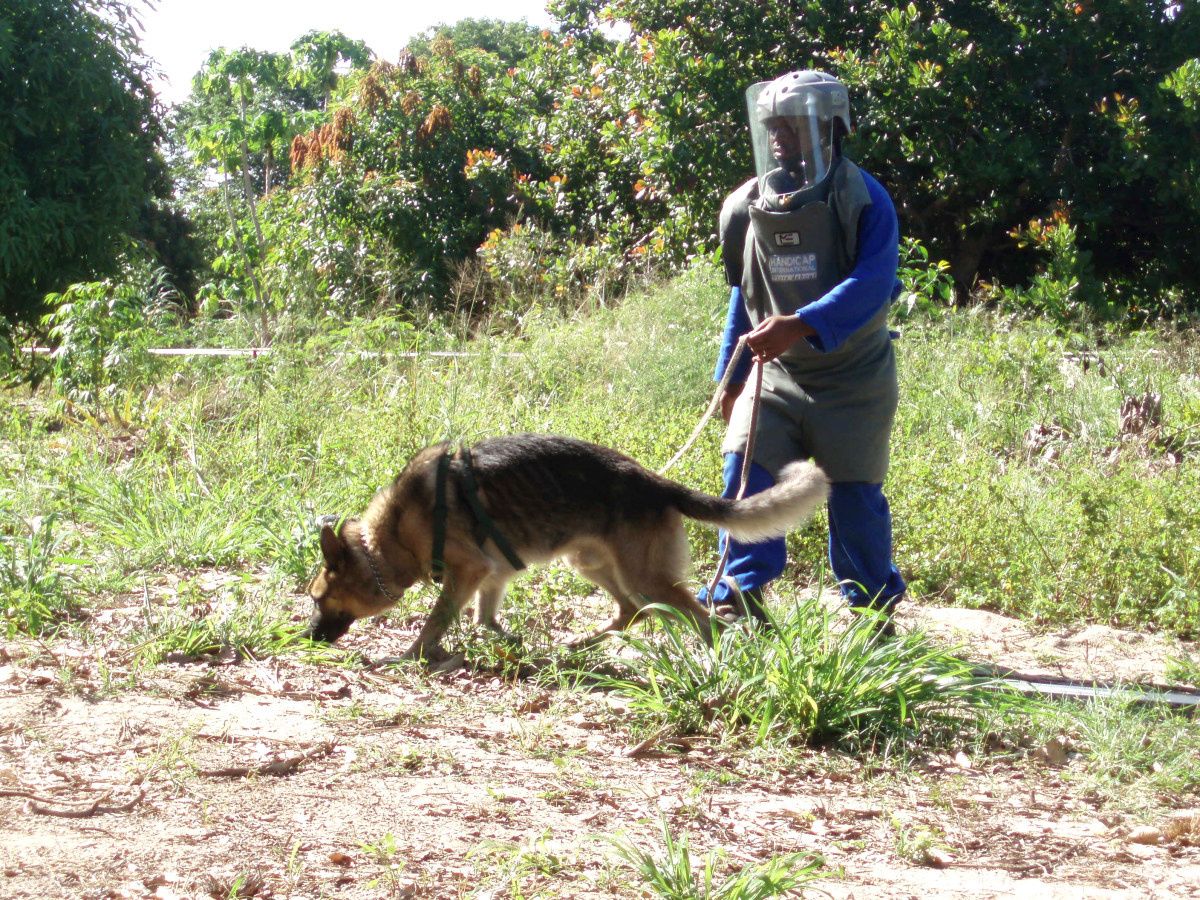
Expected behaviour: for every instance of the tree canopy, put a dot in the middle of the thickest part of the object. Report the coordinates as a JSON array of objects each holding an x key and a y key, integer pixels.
[{"x": 79, "y": 167}]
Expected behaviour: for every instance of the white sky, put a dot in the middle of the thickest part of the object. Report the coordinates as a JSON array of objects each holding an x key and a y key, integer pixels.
[{"x": 180, "y": 33}]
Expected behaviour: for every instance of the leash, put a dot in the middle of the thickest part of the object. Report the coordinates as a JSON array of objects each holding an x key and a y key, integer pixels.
[
  {"x": 747, "y": 454},
  {"x": 747, "y": 459},
  {"x": 716, "y": 401}
]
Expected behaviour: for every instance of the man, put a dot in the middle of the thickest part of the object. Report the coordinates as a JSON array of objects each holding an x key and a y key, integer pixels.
[{"x": 810, "y": 248}]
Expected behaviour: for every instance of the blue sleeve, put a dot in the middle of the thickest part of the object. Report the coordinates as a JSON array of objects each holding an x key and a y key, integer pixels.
[
  {"x": 871, "y": 284},
  {"x": 737, "y": 323}
]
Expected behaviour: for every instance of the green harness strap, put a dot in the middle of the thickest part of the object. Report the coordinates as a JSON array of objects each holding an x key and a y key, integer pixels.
[
  {"x": 438, "y": 566},
  {"x": 486, "y": 523}
]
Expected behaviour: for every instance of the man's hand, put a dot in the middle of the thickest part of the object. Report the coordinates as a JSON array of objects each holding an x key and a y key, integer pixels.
[
  {"x": 776, "y": 334},
  {"x": 728, "y": 398}
]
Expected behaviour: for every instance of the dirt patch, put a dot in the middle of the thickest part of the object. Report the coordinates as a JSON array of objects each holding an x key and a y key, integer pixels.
[{"x": 307, "y": 781}]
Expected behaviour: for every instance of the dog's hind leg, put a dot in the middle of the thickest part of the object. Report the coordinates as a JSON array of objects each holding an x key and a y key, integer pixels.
[
  {"x": 600, "y": 569},
  {"x": 656, "y": 568}
]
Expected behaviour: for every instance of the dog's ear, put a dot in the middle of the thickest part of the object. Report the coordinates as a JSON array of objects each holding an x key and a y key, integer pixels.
[{"x": 332, "y": 548}]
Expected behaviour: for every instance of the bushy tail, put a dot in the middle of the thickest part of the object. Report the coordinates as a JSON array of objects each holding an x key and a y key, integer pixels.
[{"x": 801, "y": 489}]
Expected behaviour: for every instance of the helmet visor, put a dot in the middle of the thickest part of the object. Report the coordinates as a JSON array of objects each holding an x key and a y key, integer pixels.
[{"x": 793, "y": 147}]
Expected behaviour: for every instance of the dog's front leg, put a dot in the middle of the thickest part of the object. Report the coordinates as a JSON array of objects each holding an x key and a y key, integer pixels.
[
  {"x": 458, "y": 588},
  {"x": 428, "y": 646}
]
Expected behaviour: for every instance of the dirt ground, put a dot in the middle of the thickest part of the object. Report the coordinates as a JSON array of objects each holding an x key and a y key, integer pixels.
[{"x": 289, "y": 780}]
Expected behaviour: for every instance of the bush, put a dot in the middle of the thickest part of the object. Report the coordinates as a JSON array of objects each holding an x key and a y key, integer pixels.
[{"x": 101, "y": 330}]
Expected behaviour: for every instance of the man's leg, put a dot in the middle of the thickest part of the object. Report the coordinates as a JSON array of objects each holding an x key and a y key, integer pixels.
[
  {"x": 750, "y": 566},
  {"x": 860, "y": 546}
]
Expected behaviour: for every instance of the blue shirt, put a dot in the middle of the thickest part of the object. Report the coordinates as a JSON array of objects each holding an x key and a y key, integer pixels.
[{"x": 871, "y": 285}]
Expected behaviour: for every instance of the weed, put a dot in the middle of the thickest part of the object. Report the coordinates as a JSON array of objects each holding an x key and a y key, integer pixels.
[
  {"x": 235, "y": 887},
  {"x": 916, "y": 844},
  {"x": 35, "y": 578},
  {"x": 512, "y": 865},
  {"x": 385, "y": 854},
  {"x": 1184, "y": 668},
  {"x": 173, "y": 760},
  {"x": 801, "y": 681},
  {"x": 670, "y": 875},
  {"x": 244, "y": 630}
]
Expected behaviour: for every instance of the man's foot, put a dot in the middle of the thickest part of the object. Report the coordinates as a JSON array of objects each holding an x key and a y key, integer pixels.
[
  {"x": 880, "y": 621},
  {"x": 739, "y": 604}
]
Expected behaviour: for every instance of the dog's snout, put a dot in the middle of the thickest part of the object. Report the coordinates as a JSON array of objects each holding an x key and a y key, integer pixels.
[{"x": 328, "y": 627}]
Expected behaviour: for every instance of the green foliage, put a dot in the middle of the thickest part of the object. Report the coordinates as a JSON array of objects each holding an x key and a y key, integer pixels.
[
  {"x": 78, "y": 164},
  {"x": 802, "y": 681},
  {"x": 670, "y": 875},
  {"x": 509, "y": 42},
  {"x": 100, "y": 330},
  {"x": 978, "y": 116},
  {"x": 243, "y": 630},
  {"x": 320, "y": 58},
  {"x": 927, "y": 286},
  {"x": 527, "y": 263},
  {"x": 1065, "y": 289},
  {"x": 638, "y": 141},
  {"x": 1015, "y": 488},
  {"x": 35, "y": 576}
]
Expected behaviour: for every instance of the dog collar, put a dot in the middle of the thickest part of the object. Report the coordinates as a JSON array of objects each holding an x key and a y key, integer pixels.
[{"x": 366, "y": 545}]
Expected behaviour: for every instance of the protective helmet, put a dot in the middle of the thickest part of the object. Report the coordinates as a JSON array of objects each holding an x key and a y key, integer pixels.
[{"x": 792, "y": 125}]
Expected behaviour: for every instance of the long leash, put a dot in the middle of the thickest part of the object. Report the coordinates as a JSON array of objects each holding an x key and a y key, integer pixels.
[{"x": 747, "y": 453}]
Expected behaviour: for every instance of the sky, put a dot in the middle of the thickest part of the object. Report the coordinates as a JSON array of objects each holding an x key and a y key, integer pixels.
[{"x": 179, "y": 34}]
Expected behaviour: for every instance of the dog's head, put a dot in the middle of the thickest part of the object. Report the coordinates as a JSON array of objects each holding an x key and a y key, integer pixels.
[{"x": 347, "y": 587}]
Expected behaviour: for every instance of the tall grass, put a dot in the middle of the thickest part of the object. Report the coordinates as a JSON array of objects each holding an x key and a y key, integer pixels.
[{"x": 1011, "y": 484}]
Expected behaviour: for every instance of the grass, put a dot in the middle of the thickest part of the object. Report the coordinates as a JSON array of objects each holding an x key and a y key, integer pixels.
[
  {"x": 801, "y": 681},
  {"x": 35, "y": 576},
  {"x": 1125, "y": 756},
  {"x": 670, "y": 873},
  {"x": 1012, "y": 484}
]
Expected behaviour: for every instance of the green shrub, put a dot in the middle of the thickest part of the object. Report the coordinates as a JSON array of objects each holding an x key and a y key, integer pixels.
[{"x": 801, "y": 681}]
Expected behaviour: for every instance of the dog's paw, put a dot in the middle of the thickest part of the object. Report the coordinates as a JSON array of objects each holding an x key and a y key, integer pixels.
[
  {"x": 437, "y": 659},
  {"x": 451, "y": 663}
]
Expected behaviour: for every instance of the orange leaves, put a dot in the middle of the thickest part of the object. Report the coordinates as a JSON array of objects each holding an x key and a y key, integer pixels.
[
  {"x": 333, "y": 140},
  {"x": 439, "y": 119}
]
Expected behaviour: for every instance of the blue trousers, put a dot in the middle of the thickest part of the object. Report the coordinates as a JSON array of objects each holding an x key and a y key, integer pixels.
[{"x": 860, "y": 543}]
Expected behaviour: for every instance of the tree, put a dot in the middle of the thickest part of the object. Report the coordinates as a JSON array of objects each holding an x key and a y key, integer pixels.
[
  {"x": 979, "y": 115},
  {"x": 79, "y": 169},
  {"x": 508, "y": 42},
  {"x": 321, "y": 58}
]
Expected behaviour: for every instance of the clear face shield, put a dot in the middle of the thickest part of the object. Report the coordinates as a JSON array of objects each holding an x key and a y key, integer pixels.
[{"x": 793, "y": 139}]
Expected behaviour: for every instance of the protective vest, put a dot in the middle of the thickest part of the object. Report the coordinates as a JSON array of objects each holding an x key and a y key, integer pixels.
[{"x": 835, "y": 406}]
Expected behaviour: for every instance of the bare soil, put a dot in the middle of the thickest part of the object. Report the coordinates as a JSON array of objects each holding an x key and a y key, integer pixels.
[{"x": 290, "y": 780}]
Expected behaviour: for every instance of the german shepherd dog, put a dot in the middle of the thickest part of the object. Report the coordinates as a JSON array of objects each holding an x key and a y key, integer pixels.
[{"x": 618, "y": 524}]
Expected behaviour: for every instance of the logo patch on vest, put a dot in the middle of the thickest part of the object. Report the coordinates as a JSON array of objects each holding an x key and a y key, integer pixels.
[
  {"x": 787, "y": 239},
  {"x": 793, "y": 267}
]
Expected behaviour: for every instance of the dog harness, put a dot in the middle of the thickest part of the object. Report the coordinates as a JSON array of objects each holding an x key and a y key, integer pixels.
[{"x": 486, "y": 524}]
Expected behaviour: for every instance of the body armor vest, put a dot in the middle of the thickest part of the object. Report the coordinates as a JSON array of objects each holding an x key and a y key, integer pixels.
[{"x": 835, "y": 406}]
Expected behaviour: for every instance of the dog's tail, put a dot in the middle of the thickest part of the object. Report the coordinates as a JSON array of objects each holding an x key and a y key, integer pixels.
[{"x": 801, "y": 489}]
